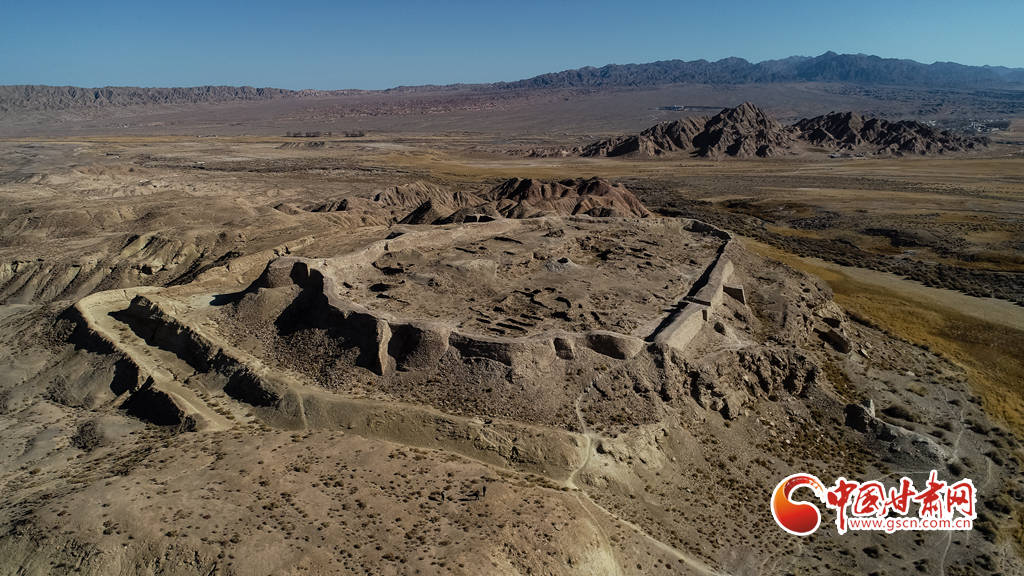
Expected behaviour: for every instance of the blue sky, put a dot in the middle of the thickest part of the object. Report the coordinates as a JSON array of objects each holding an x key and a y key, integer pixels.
[{"x": 382, "y": 44}]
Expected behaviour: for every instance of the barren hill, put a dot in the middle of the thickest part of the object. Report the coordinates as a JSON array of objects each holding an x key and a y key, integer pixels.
[
  {"x": 746, "y": 132},
  {"x": 676, "y": 135},
  {"x": 850, "y": 131}
]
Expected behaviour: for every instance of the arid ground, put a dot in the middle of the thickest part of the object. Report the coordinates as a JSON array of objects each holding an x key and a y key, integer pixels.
[{"x": 228, "y": 351}]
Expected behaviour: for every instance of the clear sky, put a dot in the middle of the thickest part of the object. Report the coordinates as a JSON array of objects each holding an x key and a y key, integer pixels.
[{"x": 380, "y": 44}]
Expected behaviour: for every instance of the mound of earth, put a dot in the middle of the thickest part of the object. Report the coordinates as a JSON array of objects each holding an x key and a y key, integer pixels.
[
  {"x": 848, "y": 131},
  {"x": 748, "y": 132}
]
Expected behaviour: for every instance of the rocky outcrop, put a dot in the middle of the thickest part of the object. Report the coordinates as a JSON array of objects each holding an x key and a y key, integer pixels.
[
  {"x": 339, "y": 205},
  {"x": 746, "y": 131},
  {"x": 674, "y": 136},
  {"x": 848, "y": 131},
  {"x": 742, "y": 132},
  {"x": 768, "y": 372},
  {"x": 471, "y": 215}
]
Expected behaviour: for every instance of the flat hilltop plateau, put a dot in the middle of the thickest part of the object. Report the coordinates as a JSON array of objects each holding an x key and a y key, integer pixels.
[{"x": 268, "y": 338}]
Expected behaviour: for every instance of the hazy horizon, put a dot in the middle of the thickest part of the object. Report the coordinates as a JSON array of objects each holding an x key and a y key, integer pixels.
[{"x": 472, "y": 83}]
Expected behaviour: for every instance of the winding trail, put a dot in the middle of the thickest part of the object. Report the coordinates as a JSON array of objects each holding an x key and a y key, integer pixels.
[{"x": 955, "y": 456}]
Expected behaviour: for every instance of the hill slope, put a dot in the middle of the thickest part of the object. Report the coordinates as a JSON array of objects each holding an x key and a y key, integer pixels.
[
  {"x": 746, "y": 132},
  {"x": 850, "y": 131}
]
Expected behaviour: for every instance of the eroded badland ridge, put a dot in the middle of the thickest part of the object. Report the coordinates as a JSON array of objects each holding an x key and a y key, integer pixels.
[
  {"x": 746, "y": 131},
  {"x": 440, "y": 341}
]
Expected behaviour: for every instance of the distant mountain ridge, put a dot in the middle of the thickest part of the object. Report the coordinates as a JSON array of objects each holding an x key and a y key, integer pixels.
[
  {"x": 828, "y": 67},
  {"x": 40, "y": 97}
]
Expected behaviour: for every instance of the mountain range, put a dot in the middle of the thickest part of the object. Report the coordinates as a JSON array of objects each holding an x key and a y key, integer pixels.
[
  {"x": 828, "y": 67},
  {"x": 858, "y": 69}
]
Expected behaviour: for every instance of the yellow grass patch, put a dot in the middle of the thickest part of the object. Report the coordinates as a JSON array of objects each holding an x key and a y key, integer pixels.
[{"x": 989, "y": 352}]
